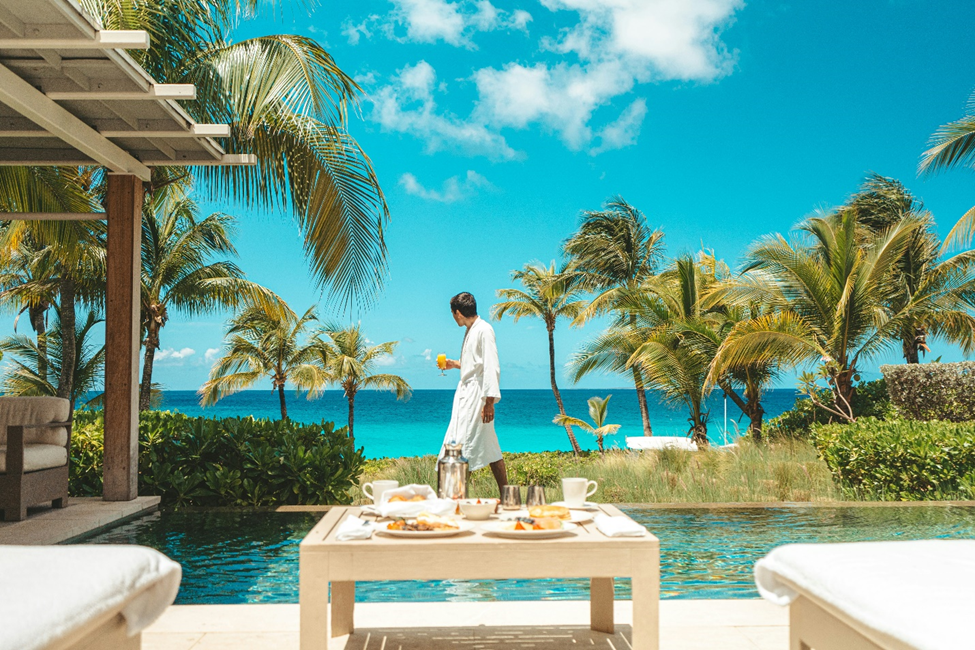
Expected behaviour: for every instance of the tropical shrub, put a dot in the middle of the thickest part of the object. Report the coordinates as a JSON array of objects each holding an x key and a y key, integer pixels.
[
  {"x": 900, "y": 460},
  {"x": 869, "y": 400},
  {"x": 225, "y": 462},
  {"x": 933, "y": 391}
]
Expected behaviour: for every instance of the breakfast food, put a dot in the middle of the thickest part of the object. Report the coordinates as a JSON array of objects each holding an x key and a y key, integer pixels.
[
  {"x": 534, "y": 523},
  {"x": 399, "y": 497},
  {"x": 425, "y": 521},
  {"x": 558, "y": 512}
]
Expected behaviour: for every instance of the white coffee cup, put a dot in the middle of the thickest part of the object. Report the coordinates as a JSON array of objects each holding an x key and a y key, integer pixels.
[
  {"x": 575, "y": 491},
  {"x": 376, "y": 489}
]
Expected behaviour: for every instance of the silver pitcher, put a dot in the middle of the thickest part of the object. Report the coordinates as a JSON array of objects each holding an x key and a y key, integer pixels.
[{"x": 452, "y": 471}]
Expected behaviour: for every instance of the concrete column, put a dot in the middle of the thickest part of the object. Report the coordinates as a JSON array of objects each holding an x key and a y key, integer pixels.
[{"x": 123, "y": 206}]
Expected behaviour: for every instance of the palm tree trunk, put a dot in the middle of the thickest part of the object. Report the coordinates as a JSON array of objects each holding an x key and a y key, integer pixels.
[
  {"x": 750, "y": 406},
  {"x": 40, "y": 330},
  {"x": 68, "y": 352},
  {"x": 641, "y": 396},
  {"x": 351, "y": 398},
  {"x": 152, "y": 343},
  {"x": 284, "y": 405},
  {"x": 555, "y": 389}
]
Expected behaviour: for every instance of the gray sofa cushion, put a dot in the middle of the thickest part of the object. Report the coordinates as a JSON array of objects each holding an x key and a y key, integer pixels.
[
  {"x": 38, "y": 457},
  {"x": 35, "y": 410}
]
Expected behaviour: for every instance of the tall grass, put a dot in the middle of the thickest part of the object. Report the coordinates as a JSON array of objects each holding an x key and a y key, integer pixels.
[{"x": 783, "y": 471}]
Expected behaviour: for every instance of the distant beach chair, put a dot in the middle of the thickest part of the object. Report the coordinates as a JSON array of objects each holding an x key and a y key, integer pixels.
[
  {"x": 645, "y": 443},
  {"x": 82, "y": 597},
  {"x": 874, "y": 595}
]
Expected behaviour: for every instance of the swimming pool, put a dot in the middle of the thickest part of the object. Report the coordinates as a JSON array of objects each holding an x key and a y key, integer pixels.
[{"x": 252, "y": 557}]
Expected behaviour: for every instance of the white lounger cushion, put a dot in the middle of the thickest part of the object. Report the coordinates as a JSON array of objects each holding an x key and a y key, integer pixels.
[
  {"x": 38, "y": 457},
  {"x": 917, "y": 595},
  {"x": 660, "y": 442},
  {"x": 48, "y": 592}
]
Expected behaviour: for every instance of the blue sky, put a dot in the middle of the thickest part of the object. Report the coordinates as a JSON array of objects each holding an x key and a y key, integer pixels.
[{"x": 492, "y": 126}]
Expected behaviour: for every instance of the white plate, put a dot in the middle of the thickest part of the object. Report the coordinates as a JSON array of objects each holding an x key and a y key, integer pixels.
[
  {"x": 463, "y": 527},
  {"x": 588, "y": 505},
  {"x": 496, "y": 528},
  {"x": 575, "y": 516}
]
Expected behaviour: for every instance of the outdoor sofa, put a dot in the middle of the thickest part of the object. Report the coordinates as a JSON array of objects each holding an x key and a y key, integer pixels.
[
  {"x": 874, "y": 595},
  {"x": 82, "y": 597},
  {"x": 35, "y": 449}
]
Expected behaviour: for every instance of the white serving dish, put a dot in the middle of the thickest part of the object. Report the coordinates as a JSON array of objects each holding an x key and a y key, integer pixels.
[
  {"x": 588, "y": 505},
  {"x": 499, "y": 528},
  {"x": 462, "y": 527},
  {"x": 478, "y": 509}
]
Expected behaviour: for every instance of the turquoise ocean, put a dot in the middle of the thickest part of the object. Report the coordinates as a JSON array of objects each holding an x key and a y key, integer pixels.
[{"x": 386, "y": 427}]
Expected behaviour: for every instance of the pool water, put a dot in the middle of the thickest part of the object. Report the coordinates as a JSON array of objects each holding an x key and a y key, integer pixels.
[{"x": 252, "y": 557}]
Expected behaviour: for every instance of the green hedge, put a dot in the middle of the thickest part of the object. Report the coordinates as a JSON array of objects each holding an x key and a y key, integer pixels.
[
  {"x": 225, "y": 462},
  {"x": 933, "y": 391},
  {"x": 869, "y": 400},
  {"x": 900, "y": 460}
]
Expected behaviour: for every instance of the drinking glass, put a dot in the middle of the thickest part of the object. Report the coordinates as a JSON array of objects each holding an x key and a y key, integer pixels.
[
  {"x": 442, "y": 363},
  {"x": 536, "y": 496},
  {"x": 511, "y": 497}
]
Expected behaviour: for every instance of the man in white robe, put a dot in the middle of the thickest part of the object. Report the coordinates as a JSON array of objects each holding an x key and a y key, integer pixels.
[{"x": 472, "y": 416}]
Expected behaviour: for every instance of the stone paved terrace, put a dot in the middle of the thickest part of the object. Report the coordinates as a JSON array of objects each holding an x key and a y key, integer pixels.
[
  {"x": 685, "y": 625},
  {"x": 84, "y": 514}
]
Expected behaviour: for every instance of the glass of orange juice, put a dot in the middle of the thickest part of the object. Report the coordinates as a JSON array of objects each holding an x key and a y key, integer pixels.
[{"x": 442, "y": 363}]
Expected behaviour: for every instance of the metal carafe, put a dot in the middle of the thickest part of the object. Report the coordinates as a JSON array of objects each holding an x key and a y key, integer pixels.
[{"x": 452, "y": 472}]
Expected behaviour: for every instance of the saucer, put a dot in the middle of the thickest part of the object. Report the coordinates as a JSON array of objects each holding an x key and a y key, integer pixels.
[{"x": 588, "y": 505}]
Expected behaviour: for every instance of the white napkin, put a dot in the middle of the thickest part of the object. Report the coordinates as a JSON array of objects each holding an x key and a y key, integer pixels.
[
  {"x": 620, "y": 526},
  {"x": 430, "y": 504},
  {"x": 353, "y": 528}
]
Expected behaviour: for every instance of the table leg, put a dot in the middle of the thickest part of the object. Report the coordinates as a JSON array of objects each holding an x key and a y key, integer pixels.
[
  {"x": 343, "y": 608},
  {"x": 646, "y": 600},
  {"x": 601, "y": 605},
  {"x": 313, "y": 600}
]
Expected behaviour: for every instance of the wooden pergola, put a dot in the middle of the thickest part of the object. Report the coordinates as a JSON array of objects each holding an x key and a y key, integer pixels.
[{"x": 70, "y": 95}]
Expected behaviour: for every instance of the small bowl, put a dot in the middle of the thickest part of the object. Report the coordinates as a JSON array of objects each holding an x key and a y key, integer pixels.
[{"x": 477, "y": 509}]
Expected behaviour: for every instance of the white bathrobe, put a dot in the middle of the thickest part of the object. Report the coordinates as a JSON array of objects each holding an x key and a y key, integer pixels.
[{"x": 480, "y": 376}]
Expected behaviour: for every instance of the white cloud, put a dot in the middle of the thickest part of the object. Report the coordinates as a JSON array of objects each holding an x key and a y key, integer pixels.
[
  {"x": 430, "y": 21},
  {"x": 175, "y": 357},
  {"x": 454, "y": 189},
  {"x": 428, "y": 354},
  {"x": 407, "y": 105},
  {"x": 211, "y": 355},
  {"x": 388, "y": 360},
  {"x": 618, "y": 44},
  {"x": 624, "y": 131}
]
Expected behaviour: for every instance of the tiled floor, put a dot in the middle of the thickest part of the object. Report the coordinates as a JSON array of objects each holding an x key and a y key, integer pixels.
[
  {"x": 685, "y": 625},
  {"x": 83, "y": 514}
]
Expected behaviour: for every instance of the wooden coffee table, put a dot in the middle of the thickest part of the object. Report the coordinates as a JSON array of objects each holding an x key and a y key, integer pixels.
[{"x": 474, "y": 556}]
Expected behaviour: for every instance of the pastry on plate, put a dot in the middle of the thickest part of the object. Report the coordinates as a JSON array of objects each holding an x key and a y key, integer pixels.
[
  {"x": 425, "y": 521},
  {"x": 558, "y": 512}
]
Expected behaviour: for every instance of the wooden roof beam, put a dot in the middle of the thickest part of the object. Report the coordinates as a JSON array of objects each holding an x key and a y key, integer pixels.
[
  {"x": 53, "y": 118},
  {"x": 123, "y": 39},
  {"x": 156, "y": 91}
]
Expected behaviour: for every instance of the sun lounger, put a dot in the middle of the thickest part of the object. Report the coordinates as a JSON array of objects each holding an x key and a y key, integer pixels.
[
  {"x": 82, "y": 597},
  {"x": 874, "y": 595},
  {"x": 659, "y": 442}
]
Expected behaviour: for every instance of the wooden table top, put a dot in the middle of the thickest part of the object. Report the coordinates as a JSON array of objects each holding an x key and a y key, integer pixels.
[{"x": 322, "y": 536}]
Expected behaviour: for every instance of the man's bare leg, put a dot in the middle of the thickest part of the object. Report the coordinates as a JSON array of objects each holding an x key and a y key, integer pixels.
[{"x": 500, "y": 474}]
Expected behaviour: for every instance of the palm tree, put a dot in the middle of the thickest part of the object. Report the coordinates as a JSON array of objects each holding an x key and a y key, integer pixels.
[
  {"x": 178, "y": 276},
  {"x": 548, "y": 294},
  {"x": 953, "y": 145},
  {"x": 938, "y": 290},
  {"x": 287, "y": 102},
  {"x": 599, "y": 428},
  {"x": 827, "y": 300},
  {"x": 76, "y": 248},
  {"x": 675, "y": 352},
  {"x": 262, "y": 344},
  {"x": 29, "y": 283},
  {"x": 613, "y": 253},
  {"x": 33, "y": 368},
  {"x": 349, "y": 360}
]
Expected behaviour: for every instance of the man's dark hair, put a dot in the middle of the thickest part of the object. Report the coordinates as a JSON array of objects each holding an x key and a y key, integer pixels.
[{"x": 465, "y": 304}]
